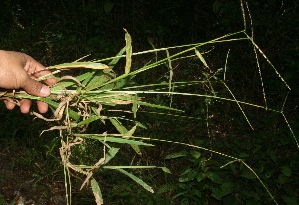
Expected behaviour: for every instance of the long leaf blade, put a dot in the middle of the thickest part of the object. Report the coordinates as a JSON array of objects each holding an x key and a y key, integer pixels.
[
  {"x": 114, "y": 139},
  {"x": 201, "y": 58},
  {"x": 128, "y": 52},
  {"x": 117, "y": 57},
  {"x": 96, "y": 192},
  {"x": 137, "y": 180},
  {"x": 124, "y": 131},
  {"x": 96, "y": 82}
]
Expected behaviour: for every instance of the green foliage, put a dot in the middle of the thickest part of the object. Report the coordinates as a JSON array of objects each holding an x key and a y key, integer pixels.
[{"x": 96, "y": 191}]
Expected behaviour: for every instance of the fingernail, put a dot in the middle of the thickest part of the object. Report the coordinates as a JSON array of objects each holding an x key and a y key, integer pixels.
[{"x": 45, "y": 91}]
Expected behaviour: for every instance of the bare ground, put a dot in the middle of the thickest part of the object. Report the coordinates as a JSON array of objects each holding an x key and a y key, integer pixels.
[{"x": 19, "y": 184}]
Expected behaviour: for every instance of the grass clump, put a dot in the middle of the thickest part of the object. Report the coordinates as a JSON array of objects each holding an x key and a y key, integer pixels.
[{"x": 100, "y": 98}]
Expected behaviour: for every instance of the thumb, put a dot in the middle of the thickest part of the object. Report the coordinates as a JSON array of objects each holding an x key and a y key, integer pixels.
[{"x": 36, "y": 88}]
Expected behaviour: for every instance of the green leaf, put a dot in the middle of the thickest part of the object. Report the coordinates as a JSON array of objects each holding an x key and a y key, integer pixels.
[
  {"x": 227, "y": 188},
  {"x": 201, "y": 176},
  {"x": 118, "y": 126},
  {"x": 110, "y": 154},
  {"x": 62, "y": 85},
  {"x": 166, "y": 188},
  {"x": 195, "y": 154},
  {"x": 166, "y": 170},
  {"x": 120, "y": 83},
  {"x": 170, "y": 70},
  {"x": 188, "y": 175},
  {"x": 89, "y": 120},
  {"x": 286, "y": 171},
  {"x": 181, "y": 193},
  {"x": 196, "y": 192},
  {"x": 198, "y": 54},
  {"x": 135, "y": 105},
  {"x": 96, "y": 191},
  {"x": 176, "y": 155},
  {"x": 128, "y": 52},
  {"x": 107, "y": 87},
  {"x": 214, "y": 177},
  {"x": 117, "y": 57},
  {"x": 131, "y": 131},
  {"x": 114, "y": 139},
  {"x": 111, "y": 99},
  {"x": 129, "y": 167},
  {"x": 137, "y": 180},
  {"x": 90, "y": 65},
  {"x": 96, "y": 82},
  {"x": 248, "y": 174},
  {"x": 139, "y": 124},
  {"x": 87, "y": 77},
  {"x": 158, "y": 106},
  {"x": 217, "y": 193},
  {"x": 124, "y": 131},
  {"x": 65, "y": 84},
  {"x": 133, "y": 143}
]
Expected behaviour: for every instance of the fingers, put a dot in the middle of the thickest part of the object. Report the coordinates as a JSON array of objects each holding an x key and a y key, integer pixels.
[
  {"x": 38, "y": 70},
  {"x": 19, "y": 70},
  {"x": 42, "y": 106},
  {"x": 9, "y": 105},
  {"x": 25, "y": 105},
  {"x": 51, "y": 81},
  {"x": 36, "y": 88}
]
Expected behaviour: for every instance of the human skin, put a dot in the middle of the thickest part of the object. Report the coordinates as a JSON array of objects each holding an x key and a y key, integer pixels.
[{"x": 19, "y": 71}]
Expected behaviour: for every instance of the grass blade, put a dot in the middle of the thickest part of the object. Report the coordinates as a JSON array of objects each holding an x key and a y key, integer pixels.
[
  {"x": 96, "y": 82},
  {"x": 89, "y": 120},
  {"x": 135, "y": 105},
  {"x": 111, "y": 153},
  {"x": 91, "y": 65},
  {"x": 128, "y": 52},
  {"x": 114, "y": 139},
  {"x": 117, "y": 57},
  {"x": 201, "y": 58},
  {"x": 130, "y": 167},
  {"x": 124, "y": 131},
  {"x": 137, "y": 180},
  {"x": 170, "y": 70},
  {"x": 96, "y": 191}
]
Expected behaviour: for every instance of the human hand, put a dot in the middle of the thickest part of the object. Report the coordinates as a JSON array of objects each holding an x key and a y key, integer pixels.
[{"x": 18, "y": 71}]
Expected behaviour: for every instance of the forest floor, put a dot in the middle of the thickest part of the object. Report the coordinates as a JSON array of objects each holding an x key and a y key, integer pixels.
[{"x": 19, "y": 184}]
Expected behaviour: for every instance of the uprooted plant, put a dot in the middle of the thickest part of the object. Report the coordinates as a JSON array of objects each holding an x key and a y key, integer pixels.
[{"x": 79, "y": 100}]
